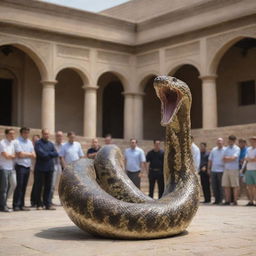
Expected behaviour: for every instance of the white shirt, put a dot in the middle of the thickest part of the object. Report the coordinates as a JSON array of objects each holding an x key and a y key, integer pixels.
[
  {"x": 196, "y": 156},
  {"x": 71, "y": 151},
  {"x": 216, "y": 156},
  {"x": 134, "y": 158},
  {"x": 251, "y": 153},
  {"x": 22, "y": 145},
  {"x": 8, "y": 147},
  {"x": 57, "y": 165}
]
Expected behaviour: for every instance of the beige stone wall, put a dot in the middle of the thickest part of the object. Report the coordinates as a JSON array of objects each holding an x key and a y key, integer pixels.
[{"x": 26, "y": 88}]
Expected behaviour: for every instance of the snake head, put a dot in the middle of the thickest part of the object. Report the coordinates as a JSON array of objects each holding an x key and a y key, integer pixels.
[{"x": 172, "y": 92}]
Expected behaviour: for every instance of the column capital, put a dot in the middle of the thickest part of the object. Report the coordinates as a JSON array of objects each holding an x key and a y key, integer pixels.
[
  {"x": 48, "y": 83},
  {"x": 135, "y": 94},
  {"x": 208, "y": 77},
  {"x": 90, "y": 87}
]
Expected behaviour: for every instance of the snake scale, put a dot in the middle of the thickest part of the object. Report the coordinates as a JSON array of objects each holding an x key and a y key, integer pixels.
[{"x": 100, "y": 198}]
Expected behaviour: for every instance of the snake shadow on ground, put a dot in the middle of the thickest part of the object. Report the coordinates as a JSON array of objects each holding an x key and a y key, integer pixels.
[{"x": 73, "y": 233}]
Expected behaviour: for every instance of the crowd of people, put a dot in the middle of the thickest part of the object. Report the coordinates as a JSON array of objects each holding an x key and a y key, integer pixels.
[{"x": 224, "y": 168}]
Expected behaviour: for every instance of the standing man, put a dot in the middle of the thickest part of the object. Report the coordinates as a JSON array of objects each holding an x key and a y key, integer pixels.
[
  {"x": 215, "y": 169},
  {"x": 25, "y": 153},
  {"x": 195, "y": 154},
  {"x": 230, "y": 178},
  {"x": 7, "y": 171},
  {"x": 204, "y": 175},
  {"x": 44, "y": 168},
  {"x": 155, "y": 160},
  {"x": 135, "y": 162},
  {"x": 108, "y": 139},
  {"x": 243, "y": 150},
  {"x": 95, "y": 147},
  {"x": 250, "y": 174},
  {"x": 71, "y": 151},
  {"x": 57, "y": 163}
]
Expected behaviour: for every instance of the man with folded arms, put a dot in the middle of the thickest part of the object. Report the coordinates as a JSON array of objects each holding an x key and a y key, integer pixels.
[{"x": 25, "y": 153}]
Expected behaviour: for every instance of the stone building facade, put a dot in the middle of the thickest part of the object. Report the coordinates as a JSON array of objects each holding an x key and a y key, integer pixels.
[{"x": 68, "y": 69}]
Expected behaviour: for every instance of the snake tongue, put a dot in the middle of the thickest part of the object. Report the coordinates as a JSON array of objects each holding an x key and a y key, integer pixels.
[{"x": 170, "y": 99}]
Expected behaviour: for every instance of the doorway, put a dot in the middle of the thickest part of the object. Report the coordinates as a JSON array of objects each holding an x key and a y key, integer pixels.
[{"x": 6, "y": 101}]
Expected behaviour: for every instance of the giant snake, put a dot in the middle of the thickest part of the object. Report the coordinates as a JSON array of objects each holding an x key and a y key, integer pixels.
[{"x": 99, "y": 197}]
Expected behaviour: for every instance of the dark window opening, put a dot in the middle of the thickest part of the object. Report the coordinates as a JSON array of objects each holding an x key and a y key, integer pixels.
[
  {"x": 247, "y": 93},
  {"x": 5, "y": 102}
]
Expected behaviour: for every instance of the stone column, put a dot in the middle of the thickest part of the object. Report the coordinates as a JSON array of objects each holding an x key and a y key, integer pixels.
[
  {"x": 90, "y": 111},
  {"x": 210, "y": 115},
  {"x": 48, "y": 105},
  {"x": 138, "y": 115},
  {"x": 128, "y": 115}
]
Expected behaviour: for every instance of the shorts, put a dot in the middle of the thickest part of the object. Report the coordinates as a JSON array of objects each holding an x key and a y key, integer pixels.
[
  {"x": 230, "y": 178},
  {"x": 250, "y": 177}
]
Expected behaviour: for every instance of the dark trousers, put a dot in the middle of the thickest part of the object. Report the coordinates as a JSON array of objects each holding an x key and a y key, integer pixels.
[
  {"x": 134, "y": 177},
  {"x": 22, "y": 174},
  {"x": 33, "y": 194},
  {"x": 205, "y": 182},
  {"x": 153, "y": 177},
  {"x": 4, "y": 185},
  {"x": 43, "y": 180},
  {"x": 216, "y": 178}
]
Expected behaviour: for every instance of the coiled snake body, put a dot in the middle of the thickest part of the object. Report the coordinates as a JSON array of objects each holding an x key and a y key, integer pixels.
[{"x": 100, "y": 199}]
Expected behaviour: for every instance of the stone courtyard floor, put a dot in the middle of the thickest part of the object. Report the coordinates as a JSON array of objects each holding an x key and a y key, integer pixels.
[{"x": 215, "y": 230}]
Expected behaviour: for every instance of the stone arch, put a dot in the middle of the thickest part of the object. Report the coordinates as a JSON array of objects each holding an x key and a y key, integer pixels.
[
  {"x": 191, "y": 76},
  {"x": 120, "y": 74},
  {"x": 110, "y": 105},
  {"x": 171, "y": 69},
  {"x": 234, "y": 65},
  {"x": 222, "y": 49},
  {"x": 142, "y": 79},
  {"x": 32, "y": 53},
  {"x": 84, "y": 75},
  {"x": 25, "y": 85}
]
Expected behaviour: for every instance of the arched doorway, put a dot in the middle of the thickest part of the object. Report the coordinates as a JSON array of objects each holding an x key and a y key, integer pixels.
[
  {"x": 151, "y": 111},
  {"x": 20, "y": 88},
  {"x": 110, "y": 106},
  {"x": 236, "y": 92},
  {"x": 69, "y": 101},
  {"x": 190, "y": 75}
]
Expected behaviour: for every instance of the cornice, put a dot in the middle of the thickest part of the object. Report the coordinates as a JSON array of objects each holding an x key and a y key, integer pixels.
[
  {"x": 67, "y": 12},
  {"x": 184, "y": 13}
]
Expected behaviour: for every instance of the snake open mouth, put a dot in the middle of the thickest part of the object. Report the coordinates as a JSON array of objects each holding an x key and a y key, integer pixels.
[{"x": 170, "y": 99}]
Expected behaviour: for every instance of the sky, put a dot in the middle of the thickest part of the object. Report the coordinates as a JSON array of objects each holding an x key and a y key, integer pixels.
[{"x": 88, "y": 5}]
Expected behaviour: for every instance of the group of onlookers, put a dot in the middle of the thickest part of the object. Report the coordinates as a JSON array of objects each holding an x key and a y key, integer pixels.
[
  {"x": 45, "y": 158},
  {"x": 227, "y": 169},
  {"x": 224, "y": 168}
]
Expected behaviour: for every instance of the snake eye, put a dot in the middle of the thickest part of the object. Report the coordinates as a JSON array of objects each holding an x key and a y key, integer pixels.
[{"x": 174, "y": 79}]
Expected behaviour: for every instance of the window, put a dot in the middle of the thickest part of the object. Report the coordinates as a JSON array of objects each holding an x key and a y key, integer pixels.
[{"x": 246, "y": 91}]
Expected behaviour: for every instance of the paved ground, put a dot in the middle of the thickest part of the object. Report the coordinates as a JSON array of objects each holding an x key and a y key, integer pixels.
[{"x": 216, "y": 230}]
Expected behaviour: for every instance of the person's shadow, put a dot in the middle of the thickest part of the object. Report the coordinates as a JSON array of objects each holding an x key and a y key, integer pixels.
[{"x": 74, "y": 233}]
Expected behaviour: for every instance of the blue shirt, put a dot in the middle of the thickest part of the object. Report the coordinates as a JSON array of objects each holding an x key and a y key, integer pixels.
[
  {"x": 134, "y": 158},
  {"x": 216, "y": 156},
  {"x": 24, "y": 145},
  {"x": 45, "y": 154},
  {"x": 71, "y": 152},
  {"x": 232, "y": 151},
  {"x": 242, "y": 155}
]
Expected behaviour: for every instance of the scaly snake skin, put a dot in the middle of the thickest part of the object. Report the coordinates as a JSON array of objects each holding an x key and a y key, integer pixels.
[{"x": 99, "y": 197}]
